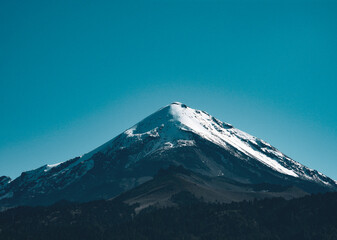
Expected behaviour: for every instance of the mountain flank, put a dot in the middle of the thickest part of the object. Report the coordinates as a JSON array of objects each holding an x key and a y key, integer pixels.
[{"x": 223, "y": 163}]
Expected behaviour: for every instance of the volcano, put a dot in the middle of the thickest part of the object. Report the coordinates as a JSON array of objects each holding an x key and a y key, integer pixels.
[{"x": 175, "y": 135}]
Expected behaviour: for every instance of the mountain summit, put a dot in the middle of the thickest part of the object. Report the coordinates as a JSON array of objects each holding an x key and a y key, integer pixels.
[{"x": 174, "y": 135}]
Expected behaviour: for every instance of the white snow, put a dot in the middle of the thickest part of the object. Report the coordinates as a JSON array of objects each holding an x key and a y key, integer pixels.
[
  {"x": 184, "y": 143},
  {"x": 171, "y": 126},
  {"x": 166, "y": 124},
  {"x": 208, "y": 127},
  {"x": 50, "y": 166}
]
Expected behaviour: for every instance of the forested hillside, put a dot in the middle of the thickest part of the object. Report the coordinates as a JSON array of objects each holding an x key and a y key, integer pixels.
[{"x": 310, "y": 217}]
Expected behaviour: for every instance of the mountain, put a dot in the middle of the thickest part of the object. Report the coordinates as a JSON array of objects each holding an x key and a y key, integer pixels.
[{"x": 174, "y": 135}]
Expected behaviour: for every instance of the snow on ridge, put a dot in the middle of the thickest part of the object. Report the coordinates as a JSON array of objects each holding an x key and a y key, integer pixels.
[
  {"x": 50, "y": 166},
  {"x": 152, "y": 133},
  {"x": 210, "y": 128},
  {"x": 166, "y": 125},
  {"x": 224, "y": 134}
]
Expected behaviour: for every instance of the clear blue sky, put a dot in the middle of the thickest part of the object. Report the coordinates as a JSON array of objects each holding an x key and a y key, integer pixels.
[{"x": 74, "y": 74}]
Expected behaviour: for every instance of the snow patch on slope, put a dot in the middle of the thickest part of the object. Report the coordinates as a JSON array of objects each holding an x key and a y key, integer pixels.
[{"x": 50, "y": 166}]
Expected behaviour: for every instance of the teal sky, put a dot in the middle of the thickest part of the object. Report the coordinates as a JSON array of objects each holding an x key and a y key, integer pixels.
[{"x": 74, "y": 74}]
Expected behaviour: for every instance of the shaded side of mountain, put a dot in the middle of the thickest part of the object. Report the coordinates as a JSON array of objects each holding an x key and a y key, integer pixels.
[{"x": 175, "y": 179}]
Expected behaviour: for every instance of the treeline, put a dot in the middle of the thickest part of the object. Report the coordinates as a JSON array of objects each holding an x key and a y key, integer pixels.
[{"x": 310, "y": 217}]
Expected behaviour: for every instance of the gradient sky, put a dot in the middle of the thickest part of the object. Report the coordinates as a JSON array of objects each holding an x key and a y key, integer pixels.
[{"x": 74, "y": 74}]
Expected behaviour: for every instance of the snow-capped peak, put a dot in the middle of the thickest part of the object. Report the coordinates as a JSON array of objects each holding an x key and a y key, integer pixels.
[
  {"x": 175, "y": 134},
  {"x": 172, "y": 123},
  {"x": 173, "y": 126},
  {"x": 222, "y": 134}
]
